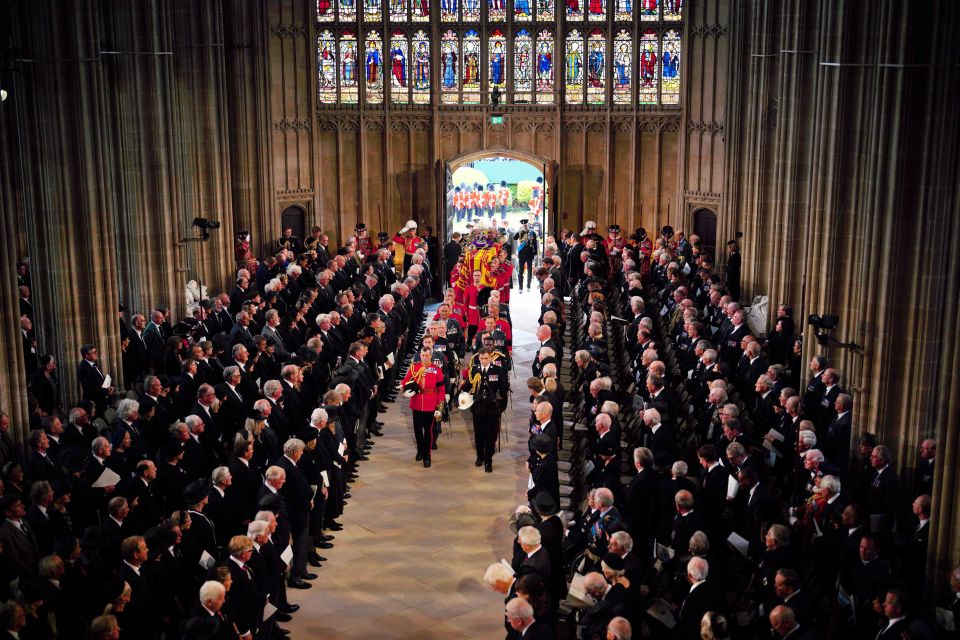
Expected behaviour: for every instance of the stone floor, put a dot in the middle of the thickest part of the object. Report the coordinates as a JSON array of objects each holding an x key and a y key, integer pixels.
[{"x": 409, "y": 562}]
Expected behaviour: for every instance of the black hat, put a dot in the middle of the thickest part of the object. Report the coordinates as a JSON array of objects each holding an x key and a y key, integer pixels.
[
  {"x": 159, "y": 538},
  {"x": 171, "y": 449},
  {"x": 521, "y": 520},
  {"x": 544, "y": 504},
  {"x": 542, "y": 443},
  {"x": 613, "y": 561},
  {"x": 595, "y": 351},
  {"x": 524, "y": 221},
  {"x": 360, "y": 227},
  {"x": 411, "y": 386},
  {"x": 60, "y": 488},
  {"x": 383, "y": 235},
  {"x": 307, "y": 435},
  {"x": 270, "y": 502},
  {"x": 614, "y": 227},
  {"x": 196, "y": 491},
  {"x": 73, "y": 460},
  {"x": 606, "y": 449},
  {"x": 93, "y": 538},
  {"x": 667, "y": 231}
]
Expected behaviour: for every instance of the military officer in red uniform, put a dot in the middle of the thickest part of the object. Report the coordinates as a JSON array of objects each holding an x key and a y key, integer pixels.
[
  {"x": 425, "y": 380},
  {"x": 363, "y": 243}
]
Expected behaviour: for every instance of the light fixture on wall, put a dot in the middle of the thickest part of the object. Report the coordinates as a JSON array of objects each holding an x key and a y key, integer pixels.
[{"x": 823, "y": 325}]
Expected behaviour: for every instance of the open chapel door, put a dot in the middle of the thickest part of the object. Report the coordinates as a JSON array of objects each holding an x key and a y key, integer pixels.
[{"x": 443, "y": 177}]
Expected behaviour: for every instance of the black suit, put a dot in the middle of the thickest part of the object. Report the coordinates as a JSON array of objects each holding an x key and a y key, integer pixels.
[
  {"x": 247, "y": 603},
  {"x": 638, "y": 506},
  {"x": 703, "y": 598},
  {"x": 91, "y": 379},
  {"x": 298, "y": 496}
]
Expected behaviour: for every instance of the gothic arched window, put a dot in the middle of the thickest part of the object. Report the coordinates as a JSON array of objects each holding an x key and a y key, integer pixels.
[
  {"x": 573, "y": 67},
  {"x": 399, "y": 68},
  {"x": 622, "y": 78},
  {"x": 327, "y": 67},
  {"x": 349, "y": 80},
  {"x": 420, "y": 73},
  {"x": 522, "y": 67},
  {"x": 607, "y": 53}
]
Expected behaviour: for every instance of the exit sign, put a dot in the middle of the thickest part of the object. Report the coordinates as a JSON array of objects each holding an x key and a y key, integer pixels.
[{"x": 496, "y": 119}]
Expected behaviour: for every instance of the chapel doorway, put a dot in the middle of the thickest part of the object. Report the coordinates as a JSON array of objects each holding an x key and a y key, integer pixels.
[
  {"x": 705, "y": 226},
  {"x": 293, "y": 217}
]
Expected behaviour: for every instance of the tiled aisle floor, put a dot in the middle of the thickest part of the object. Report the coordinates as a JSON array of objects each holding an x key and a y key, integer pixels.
[{"x": 409, "y": 562}]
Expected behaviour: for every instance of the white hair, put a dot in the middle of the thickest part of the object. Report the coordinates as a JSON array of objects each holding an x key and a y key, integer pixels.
[{"x": 529, "y": 536}]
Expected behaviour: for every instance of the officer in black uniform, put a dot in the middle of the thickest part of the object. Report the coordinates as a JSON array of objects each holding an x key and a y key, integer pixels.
[
  {"x": 489, "y": 384},
  {"x": 526, "y": 241}
]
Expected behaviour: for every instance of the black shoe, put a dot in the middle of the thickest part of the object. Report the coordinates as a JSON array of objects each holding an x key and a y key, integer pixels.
[
  {"x": 378, "y": 423},
  {"x": 298, "y": 584},
  {"x": 323, "y": 537},
  {"x": 324, "y": 545},
  {"x": 419, "y": 457},
  {"x": 290, "y": 608},
  {"x": 381, "y": 409},
  {"x": 318, "y": 558},
  {"x": 426, "y": 463},
  {"x": 347, "y": 496},
  {"x": 313, "y": 564},
  {"x": 434, "y": 446},
  {"x": 363, "y": 458},
  {"x": 488, "y": 467},
  {"x": 280, "y": 616},
  {"x": 377, "y": 433},
  {"x": 478, "y": 463},
  {"x": 335, "y": 526},
  {"x": 279, "y": 633},
  {"x": 309, "y": 576}
]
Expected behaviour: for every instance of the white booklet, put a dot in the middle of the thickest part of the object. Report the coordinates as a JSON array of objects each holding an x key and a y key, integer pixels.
[
  {"x": 206, "y": 560},
  {"x": 739, "y": 543},
  {"x": 108, "y": 478},
  {"x": 660, "y": 611}
]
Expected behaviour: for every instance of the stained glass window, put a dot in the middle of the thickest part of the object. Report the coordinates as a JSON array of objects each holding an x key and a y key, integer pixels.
[
  {"x": 670, "y": 64},
  {"x": 471, "y": 10},
  {"x": 398, "y": 10},
  {"x": 497, "y": 54},
  {"x": 522, "y": 66},
  {"x": 596, "y": 10},
  {"x": 348, "y": 10},
  {"x": 449, "y": 63},
  {"x": 623, "y": 10},
  {"x": 420, "y": 52},
  {"x": 523, "y": 10},
  {"x": 622, "y": 67},
  {"x": 545, "y": 62},
  {"x": 649, "y": 11},
  {"x": 420, "y": 10},
  {"x": 471, "y": 66},
  {"x": 399, "y": 68},
  {"x": 371, "y": 10},
  {"x": 672, "y": 9},
  {"x": 574, "y": 9},
  {"x": 545, "y": 9},
  {"x": 448, "y": 10},
  {"x": 647, "y": 67},
  {"x": 325, "y": 11},
  {"x": 326, "y": 68},
  {"x": 373, "y": 68},
  {"x": 349, "y": 83},
  {"x": 596, "y": 67},
  {"x": 573, "y": 68},
  {"x": 497, "y": 10}
]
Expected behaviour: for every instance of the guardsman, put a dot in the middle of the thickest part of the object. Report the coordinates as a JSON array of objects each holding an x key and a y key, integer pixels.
[
  {"x": 363, "y": 243},
  {"x": 613, "y": 246},
  {"x": 425, "y": 387}
]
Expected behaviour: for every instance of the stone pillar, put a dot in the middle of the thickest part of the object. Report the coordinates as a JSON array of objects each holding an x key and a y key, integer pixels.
[{"x": 68, "y": 209}]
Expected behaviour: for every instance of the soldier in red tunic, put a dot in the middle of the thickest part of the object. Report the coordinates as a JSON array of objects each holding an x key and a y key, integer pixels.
[
  {"x": 363, "y": 243},
  {"x": 424, "y": 385}
]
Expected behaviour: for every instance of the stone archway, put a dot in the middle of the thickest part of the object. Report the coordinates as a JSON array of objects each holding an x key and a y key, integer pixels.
[{"x": 705, "y": 226}]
